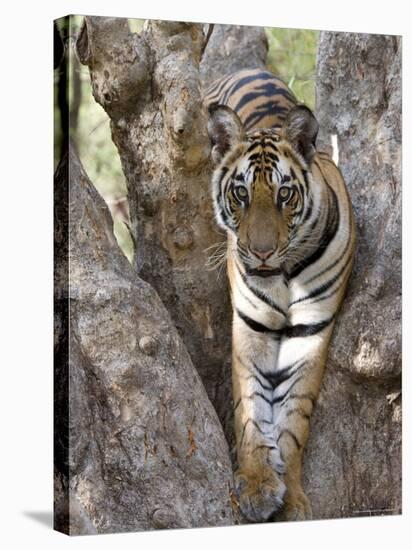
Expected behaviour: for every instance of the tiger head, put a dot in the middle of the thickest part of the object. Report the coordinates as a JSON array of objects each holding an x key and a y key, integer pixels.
[{"x": 262, "y": 187}]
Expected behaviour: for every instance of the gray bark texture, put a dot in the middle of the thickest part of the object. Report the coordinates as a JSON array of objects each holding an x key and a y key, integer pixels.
[
  {"x": 145, "y": 447},
  {"x": 151, "y": 87},
  {"x": 232, "y": 48},
  {"x": 353, "y": 459}
]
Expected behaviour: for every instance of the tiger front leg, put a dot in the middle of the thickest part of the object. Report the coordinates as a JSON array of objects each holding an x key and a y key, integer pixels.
[
  {"x": 258, "y": 480},
  {"x": 302, "y": 360}
]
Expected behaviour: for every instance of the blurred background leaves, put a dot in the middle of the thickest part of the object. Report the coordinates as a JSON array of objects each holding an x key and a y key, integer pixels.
[{"x": 292, "y": 56}]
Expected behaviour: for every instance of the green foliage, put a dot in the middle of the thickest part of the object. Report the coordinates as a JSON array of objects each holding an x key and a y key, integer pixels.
[
  {"x": 292, "y": 57},
  {"x": 136, "y": 25},
  {"x": 97, "y": 151},
  {"x": 101, "y": 159}
]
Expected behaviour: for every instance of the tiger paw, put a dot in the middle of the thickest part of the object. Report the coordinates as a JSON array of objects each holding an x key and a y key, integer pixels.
[
  {"x": 260, "y": 493},
  {"x": 297, "y": 507}
]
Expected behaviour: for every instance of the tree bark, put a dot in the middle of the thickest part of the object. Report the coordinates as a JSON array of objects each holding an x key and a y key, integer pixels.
[
  {"x": 138, "y": 443},
  {"x": 353, "y": 460},
  {"x": 232, "y": 48},
  {"x": 150, "y": 86}
]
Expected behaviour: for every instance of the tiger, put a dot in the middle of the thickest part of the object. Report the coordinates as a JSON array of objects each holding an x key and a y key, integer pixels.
[{"x": 287, "y": 214}]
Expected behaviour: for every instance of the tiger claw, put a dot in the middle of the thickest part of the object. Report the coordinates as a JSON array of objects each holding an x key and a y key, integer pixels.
[
  {"x": 297, "y": 508},
  {"x": 260, "y": 493}
]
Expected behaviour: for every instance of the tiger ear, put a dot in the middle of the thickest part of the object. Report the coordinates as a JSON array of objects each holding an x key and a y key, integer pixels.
[
  {"x": 301, "y": 129},
  {"x": 225, "y": 130}
]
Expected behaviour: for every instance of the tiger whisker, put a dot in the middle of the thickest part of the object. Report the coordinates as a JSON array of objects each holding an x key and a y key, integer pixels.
[
  {"x": 216, "y": 260},
  {"x": 215, "y": 246},
  {"x": 213, "y": 262}
]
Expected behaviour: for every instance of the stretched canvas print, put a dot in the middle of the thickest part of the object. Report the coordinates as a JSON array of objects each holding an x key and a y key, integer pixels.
[{"x": 227, "y": 275}]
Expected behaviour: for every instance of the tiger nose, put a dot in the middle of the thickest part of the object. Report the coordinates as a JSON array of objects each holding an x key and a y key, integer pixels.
[{"x": 262, "y": 254}]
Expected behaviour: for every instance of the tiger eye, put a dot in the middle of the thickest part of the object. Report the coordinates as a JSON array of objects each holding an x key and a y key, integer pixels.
[
  {"x": 241, "y": 192},
  {"x": 285, "y": 193}
]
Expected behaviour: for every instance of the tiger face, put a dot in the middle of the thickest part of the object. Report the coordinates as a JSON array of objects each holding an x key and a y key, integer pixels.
[{"x": 263, "y": 192}]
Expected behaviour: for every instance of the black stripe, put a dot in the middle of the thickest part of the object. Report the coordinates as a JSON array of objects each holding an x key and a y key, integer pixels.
[
  {"x": 225, "y": 217},
  {"x": 299, "y": 331},
  {"x": 241, "y": 246},
  {"x": 332, "y": 224},
  {"x": 254, "y": 325},
  {"x": 242, "y": 82},
  {"x": 222, "y": 174},
  {"x": 271, "y": 156},
  {"x": 331, "y": 266},
  {"x": 295, "y": 331},
  {"x": 254, "y": 156},
  {"x": 216, "y": 88},
  {"x": 260, "y": 295},
  {"x": 252, "y": 375},
  {"x": 247, "y": 98},
  {"x": 308, "y": 211},
  {"x": 258, "y": 381},
  {"x": 301, "y": 189},
  {"x": 326, "y": 296},
  {"x": 256, "y": 144},
  {"x": 270, "y": 141},
  {"x": 324, "y": 286},
  {"x": 220, "y": 200},
  {"x": 271, "y": 107},
  {"x": 261, "y": 395},
  {"x": 245, "y": 297},
  {"x": 277, "y": 377},
  {"x": 286, "y": 395},
  {"x": 270, "y": 88},
  {"x": 255, "y": 118},
  {"x": 305, "y": 177}
]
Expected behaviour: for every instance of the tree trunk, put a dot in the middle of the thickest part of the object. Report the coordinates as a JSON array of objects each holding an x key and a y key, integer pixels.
[
  {"x": 353, "y": 460},
  {"x": 150, "y": 86},
  {"x": 233, "y": 48},
  {"x": 138, "y": 443}
]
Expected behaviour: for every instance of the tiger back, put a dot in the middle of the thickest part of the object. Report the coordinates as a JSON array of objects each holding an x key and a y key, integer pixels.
[
  {"x": 290, "y": 247},
  {"x": 260, "y": 99}
]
